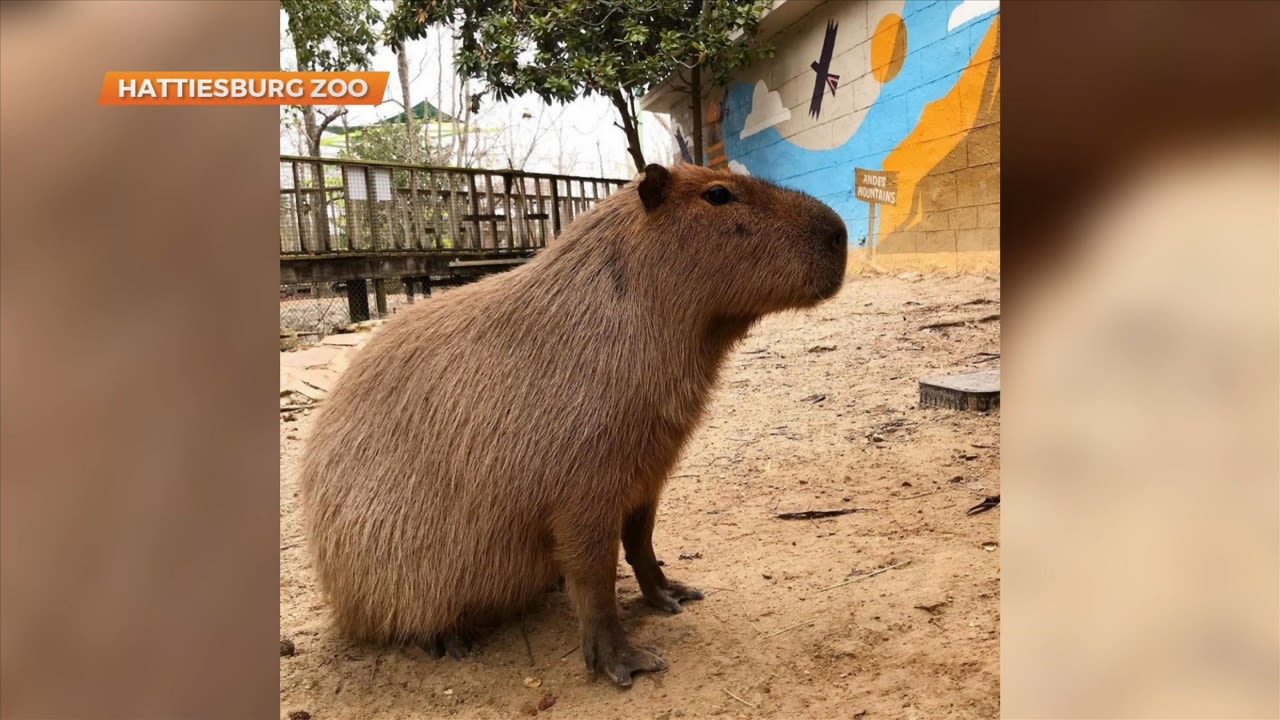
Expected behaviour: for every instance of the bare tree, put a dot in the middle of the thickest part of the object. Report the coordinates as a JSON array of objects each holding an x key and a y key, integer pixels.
[
  {"x": 440, "y": 90},
  {"x": 410, "y": 138}
]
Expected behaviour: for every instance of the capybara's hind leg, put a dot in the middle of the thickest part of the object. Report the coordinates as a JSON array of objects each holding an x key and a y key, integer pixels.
[
  {"x": 637, "y": 539},
  {"x": 590, "y": 561},
  {"x": 457, "y": 644}
]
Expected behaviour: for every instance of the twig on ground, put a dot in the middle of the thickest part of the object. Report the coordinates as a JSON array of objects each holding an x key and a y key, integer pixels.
[
  {"x": 527, "y": 646},
  {"x": 812, "y": 514},
  {"x": 789, "y": 628},
  {"x": 735, "y": 697},
  {"x": 957, "y": 323},
  {"x": 873, "y": 573},
  {"x": 917, "y": 495},
  {"x": 570, "y": 652},
  {"x": 295, "y": 408}
]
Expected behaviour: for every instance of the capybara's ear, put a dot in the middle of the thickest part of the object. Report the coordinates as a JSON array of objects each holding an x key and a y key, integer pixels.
[{"x": 653, "y": 188}]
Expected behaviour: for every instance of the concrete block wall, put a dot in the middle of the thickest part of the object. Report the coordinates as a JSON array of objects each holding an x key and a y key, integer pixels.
[{"x": 916, "y": 93}]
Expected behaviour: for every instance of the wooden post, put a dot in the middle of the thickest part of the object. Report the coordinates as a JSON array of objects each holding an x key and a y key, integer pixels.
[
  {"x": 871, "y": 233},
  {"x": 380, "y": 295},
  {"x": 437, "y": 219},
  {"x": 506, "y": 210},
  {"x": 450, "y": 196},
  {"x": 349, "y": 208},
  {"x": 475, "y": 211},
  {"x": 416, "y": 217},
  {"x": 492, "y": 208},
  {"x": 371, "y": 196},
  {"x": 544, "y": 221},
  {"x": 358, "y": 300},
  {"x": 555, "y": 206},
  {"x": 297, "y": 205}
]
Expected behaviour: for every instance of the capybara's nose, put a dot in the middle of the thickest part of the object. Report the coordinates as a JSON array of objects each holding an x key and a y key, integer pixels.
[
  {"x": 829, "y": 231},
  {"x": 838, "y": 238}
]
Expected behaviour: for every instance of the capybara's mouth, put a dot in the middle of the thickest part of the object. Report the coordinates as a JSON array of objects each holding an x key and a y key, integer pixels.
[
  {"x": 829, "y": 290},
  {"x": 831, "y": 270}
]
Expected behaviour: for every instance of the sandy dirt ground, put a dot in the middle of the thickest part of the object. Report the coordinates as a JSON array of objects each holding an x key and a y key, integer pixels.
[{"x": 815, "y": 410}]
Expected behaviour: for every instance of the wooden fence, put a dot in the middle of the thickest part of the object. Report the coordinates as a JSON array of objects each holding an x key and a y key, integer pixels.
[{"x": 337, "y": 207}]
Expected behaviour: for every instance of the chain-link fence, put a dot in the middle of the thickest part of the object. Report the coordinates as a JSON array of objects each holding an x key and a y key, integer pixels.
[{"x": 313, "y": 310}]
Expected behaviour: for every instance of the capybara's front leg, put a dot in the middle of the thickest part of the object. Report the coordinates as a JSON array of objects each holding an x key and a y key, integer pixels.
[
  {"x": 637, "y": 540},
  {"x": 589, "y": 561},
  {"x": 456, "y": 644}
]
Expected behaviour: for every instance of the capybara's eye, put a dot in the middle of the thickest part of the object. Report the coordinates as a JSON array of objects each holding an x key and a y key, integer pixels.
[{"x": 718, "y": 195}]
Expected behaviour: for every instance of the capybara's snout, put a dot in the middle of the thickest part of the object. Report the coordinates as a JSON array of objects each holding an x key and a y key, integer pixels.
[
  {"x": 833, "y": 236},
  {"x": 831, "y": 244}
]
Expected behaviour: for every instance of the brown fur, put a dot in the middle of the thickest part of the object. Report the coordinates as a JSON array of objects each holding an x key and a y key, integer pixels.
[{"x": 521, "y": 427}]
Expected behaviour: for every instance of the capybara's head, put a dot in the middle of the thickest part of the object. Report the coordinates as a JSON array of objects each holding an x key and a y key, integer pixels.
[{"x": 752, "y": 246}]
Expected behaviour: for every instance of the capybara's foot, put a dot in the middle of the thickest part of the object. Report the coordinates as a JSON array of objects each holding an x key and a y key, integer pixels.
[
  {"x": 617, "y": 658},
  {"x": 670, "y": 595},
  {"x": 457, "y": 645}
]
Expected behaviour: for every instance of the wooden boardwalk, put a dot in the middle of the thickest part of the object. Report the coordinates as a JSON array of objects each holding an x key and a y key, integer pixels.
[{"x": 345, "y": 221}]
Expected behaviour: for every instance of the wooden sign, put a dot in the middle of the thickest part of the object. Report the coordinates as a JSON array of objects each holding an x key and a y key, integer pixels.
[{"x": 875, "y": 186}]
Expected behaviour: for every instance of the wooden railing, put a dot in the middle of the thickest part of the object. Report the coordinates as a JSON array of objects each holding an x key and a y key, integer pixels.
[{"x": 342, "y": 207}]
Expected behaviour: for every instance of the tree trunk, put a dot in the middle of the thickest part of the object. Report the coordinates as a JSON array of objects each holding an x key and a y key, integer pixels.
[
  {"x": 410, "y": 138},
  {"x": 313, "y": 131},
  {"x": 629, "y": 128},
  {"x": 465, "y": 138},
  {"x": 440, "y": 84},
  {"x": 317, "y": 213},
  {"x": 695, "y": 95},
  {"x": 409, "y": 219},
  {"x": 699, "y": 157}
]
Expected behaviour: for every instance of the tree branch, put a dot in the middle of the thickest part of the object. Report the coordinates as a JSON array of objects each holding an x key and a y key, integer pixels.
[{"x": 328, "y": 119}]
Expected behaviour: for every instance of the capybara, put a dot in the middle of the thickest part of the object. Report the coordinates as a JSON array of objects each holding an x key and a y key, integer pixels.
[{"x": 517, "y": 430}]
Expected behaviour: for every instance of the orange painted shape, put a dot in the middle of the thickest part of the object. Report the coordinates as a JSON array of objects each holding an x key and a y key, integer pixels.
[
  {"x": 266, "y": 87},
  {"x": 943, "y": 124},
  {"x": 888, "y": 48}
]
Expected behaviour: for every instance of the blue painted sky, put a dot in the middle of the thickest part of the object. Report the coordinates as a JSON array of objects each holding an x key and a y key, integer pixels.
[{"x": 934, "y": 61}]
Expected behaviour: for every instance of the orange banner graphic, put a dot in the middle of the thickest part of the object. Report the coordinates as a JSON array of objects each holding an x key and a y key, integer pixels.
[{"x": 267, "y": 87}]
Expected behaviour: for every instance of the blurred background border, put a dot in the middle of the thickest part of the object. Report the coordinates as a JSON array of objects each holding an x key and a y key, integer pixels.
[{"x": 138, "y": 478}]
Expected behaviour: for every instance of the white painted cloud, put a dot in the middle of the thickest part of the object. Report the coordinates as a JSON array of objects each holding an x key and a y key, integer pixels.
[
  {"x": 971, "y": 10},
  {"x": 767, "y": 110},
  {"x": 737, "y": 167}
]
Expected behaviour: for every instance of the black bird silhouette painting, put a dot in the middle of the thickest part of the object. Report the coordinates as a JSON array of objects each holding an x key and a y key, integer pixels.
[
  {"x": 823, "y": 67},
  {"x": 684, "y": 146}
]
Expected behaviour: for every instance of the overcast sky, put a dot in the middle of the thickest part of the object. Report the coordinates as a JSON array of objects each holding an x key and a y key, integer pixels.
[{"x": 579, "y": 138}]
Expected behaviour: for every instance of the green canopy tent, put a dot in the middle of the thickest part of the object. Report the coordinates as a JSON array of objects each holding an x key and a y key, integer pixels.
[
  {"x": 438, "y": 124},
  {"x": 423, "y": 112}
]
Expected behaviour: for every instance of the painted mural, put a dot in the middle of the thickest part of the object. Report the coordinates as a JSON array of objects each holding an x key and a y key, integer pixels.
[
  {"x": 824, "y": 78},
  {"x": 909, "y": 87}
]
